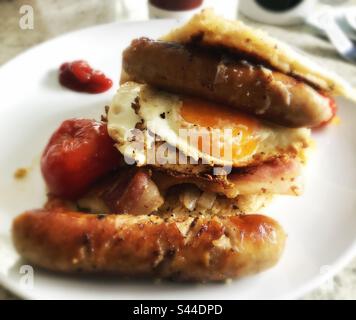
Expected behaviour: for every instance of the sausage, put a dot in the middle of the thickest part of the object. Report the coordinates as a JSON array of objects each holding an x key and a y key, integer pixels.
[
  {"x": 201, "y": 248},
  {"x": 227, "y": 79}
]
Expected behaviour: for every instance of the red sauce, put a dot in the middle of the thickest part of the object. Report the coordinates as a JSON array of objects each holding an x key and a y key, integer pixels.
[
  {"x": 177, "y": 5},
  {"x": 80, "y": 76}
]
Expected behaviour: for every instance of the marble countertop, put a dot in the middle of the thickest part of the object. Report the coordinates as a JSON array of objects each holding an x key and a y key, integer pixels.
[{"x": 52, "y": 17}]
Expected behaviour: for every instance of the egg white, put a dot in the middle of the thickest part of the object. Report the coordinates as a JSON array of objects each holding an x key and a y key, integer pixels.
[{"x": 159, "y": 113}]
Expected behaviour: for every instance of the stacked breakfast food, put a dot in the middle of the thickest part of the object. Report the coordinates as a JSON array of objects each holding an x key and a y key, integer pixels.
[{"x": 209, "y": 123}]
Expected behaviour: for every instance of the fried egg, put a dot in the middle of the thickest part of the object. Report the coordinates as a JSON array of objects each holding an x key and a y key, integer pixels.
[{"x": 142, "y": 120}]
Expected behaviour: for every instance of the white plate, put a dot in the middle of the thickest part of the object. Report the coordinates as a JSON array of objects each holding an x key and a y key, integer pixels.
[{"x": 321, "y": 224}]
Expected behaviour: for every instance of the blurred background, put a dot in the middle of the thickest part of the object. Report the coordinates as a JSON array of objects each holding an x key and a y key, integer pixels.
[
  {"x": 54, "y": 17},
  {"x": 324, "y": 29}
]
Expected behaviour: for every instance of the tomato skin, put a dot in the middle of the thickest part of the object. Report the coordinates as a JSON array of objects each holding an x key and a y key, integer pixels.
[
  {"x": 79, "y": 152},
  {"x": 333, "y": 107}
]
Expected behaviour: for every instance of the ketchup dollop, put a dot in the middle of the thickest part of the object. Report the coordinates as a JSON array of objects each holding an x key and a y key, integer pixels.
[{"x": 80, "y": 76}]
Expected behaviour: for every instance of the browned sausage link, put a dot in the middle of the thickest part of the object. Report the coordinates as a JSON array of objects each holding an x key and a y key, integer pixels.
[
  {"x": 250, "y": 88},
  {"x": 185, "y": 248}
]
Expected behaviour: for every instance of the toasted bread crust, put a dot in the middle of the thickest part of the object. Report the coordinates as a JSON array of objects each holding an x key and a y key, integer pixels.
[
  {"x": 213, "y": 30},
  {"x": 201, "y": 248}
]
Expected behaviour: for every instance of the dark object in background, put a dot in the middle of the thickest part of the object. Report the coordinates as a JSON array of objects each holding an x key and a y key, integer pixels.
[
  {"x": 278, "y": 5},
  {"x": 177, "y": 9},
  {"x": 177, "y": 5},
  {"x": 277, "y": 12}
]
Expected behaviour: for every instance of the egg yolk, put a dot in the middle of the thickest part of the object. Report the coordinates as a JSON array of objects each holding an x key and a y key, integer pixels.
[{"x": 207, "y": 115}]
